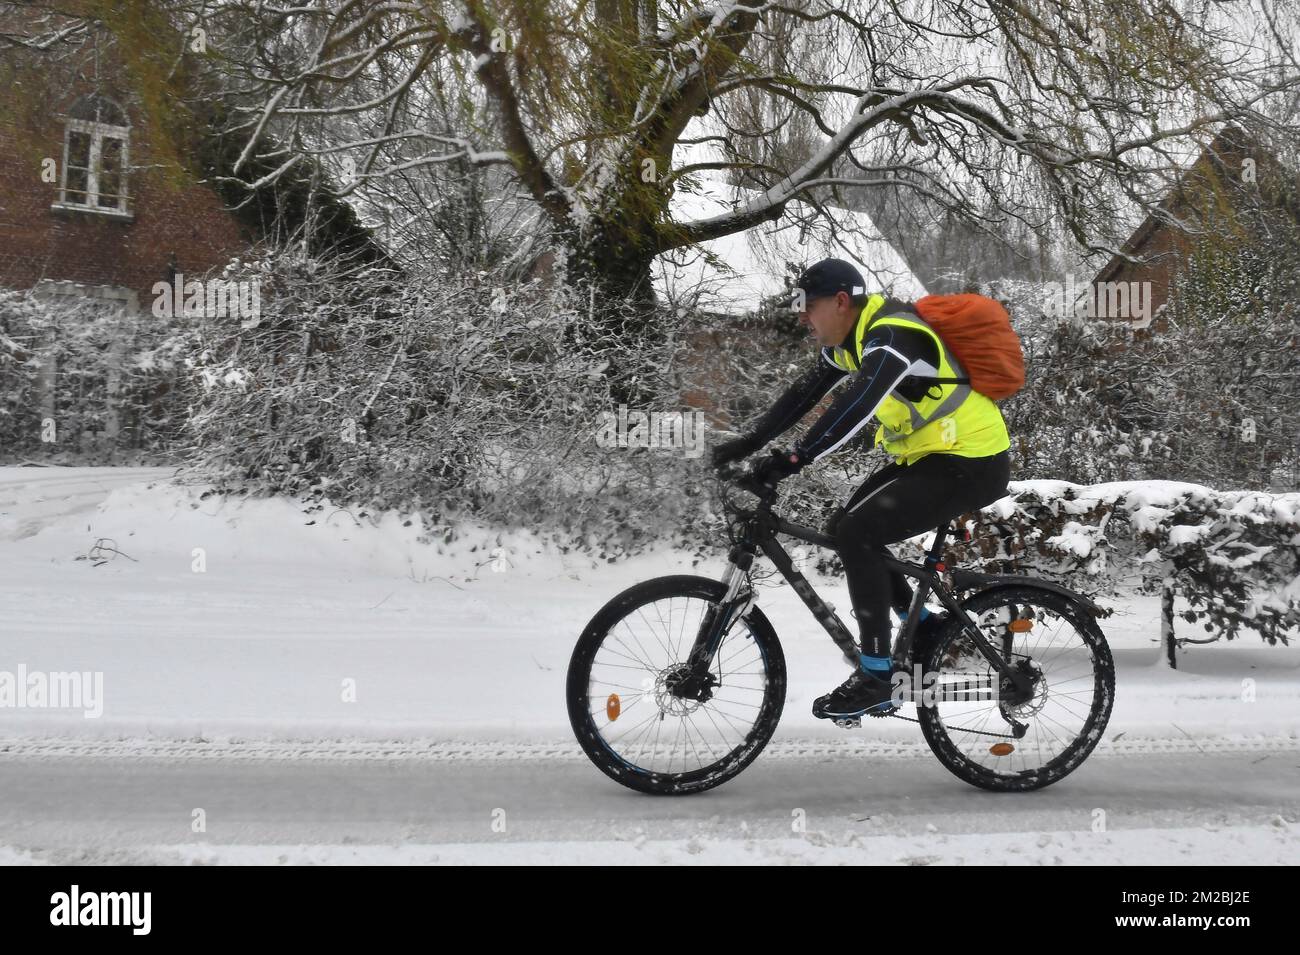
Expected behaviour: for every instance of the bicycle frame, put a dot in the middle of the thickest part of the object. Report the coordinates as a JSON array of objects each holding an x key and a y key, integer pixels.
[{"x": 760, "y": 528}]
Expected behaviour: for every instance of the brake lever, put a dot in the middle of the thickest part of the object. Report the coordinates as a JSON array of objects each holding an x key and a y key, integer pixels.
[
  {"x": 760, "y": 489},
  {"x": 742, "y": 478}
]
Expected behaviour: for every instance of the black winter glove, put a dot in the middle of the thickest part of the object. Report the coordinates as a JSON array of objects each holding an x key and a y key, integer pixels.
[
  {"x": 777, "y": 466},
  {"x": 733, "y": 450}
]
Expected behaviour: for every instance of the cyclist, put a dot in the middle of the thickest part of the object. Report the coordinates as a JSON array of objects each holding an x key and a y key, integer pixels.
[{"x": 948, "y": 442}]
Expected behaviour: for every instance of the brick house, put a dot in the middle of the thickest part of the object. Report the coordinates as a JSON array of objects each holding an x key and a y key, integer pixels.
[
  {"x": 98, "y": 202},
  {"x": 1227, "y": 193},
  {"x": 88, "y": 206},
  {"x": 92, "y": 212}
]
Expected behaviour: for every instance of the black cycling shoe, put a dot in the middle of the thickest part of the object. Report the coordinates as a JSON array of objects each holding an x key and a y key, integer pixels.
[{"x": 859, "y": 695}]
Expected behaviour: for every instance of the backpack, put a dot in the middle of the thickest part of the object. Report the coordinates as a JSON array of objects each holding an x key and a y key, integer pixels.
[{"x": 978, "y": 331}]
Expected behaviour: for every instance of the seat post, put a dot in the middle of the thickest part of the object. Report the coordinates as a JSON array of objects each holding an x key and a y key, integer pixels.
[{"x": 936, "y": 550}]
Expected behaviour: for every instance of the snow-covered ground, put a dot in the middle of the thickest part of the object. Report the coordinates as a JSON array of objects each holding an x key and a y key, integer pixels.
[{"x": 240, "y": 634}]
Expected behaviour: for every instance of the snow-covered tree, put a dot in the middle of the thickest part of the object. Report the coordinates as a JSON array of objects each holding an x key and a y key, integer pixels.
[{"x": 1064, "y": 110}]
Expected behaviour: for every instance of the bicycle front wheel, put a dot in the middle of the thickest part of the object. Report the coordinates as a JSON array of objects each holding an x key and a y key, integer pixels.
[
  {"x": 969, "y": 713},
  {"x": 625, "y": 689}
]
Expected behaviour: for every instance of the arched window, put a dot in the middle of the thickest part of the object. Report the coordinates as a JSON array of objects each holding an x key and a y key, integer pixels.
[{"x": 96, "y": 147}]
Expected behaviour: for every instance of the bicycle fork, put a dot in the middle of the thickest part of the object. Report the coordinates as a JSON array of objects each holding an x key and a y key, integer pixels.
[
  {"x": 739, "y": 598},
  {"x": 721, "y": 617}
]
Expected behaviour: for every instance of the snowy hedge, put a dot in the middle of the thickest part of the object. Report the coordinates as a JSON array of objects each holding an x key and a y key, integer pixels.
[
  {"x": 1233, "y": 556},
  {"x": 85, "y": 384},
  {"x": 1215, "y": 401},
  {"x": 455, "y": 396}
]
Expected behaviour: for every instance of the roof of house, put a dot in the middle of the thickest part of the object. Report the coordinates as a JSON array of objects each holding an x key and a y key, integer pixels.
[
  {"x": 301, "y": 200},
  {"x": 733, "y": 274},
  {"x": 1218, "y": 164}
]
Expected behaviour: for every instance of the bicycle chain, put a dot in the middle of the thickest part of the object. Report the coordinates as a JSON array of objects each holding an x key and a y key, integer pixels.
[
  {"x": 894, "y": 714},
  {"x": 897, "y": 716}
]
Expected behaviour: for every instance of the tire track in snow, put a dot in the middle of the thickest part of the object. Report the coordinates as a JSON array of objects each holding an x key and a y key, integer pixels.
[{"x": 478, "y": 750}]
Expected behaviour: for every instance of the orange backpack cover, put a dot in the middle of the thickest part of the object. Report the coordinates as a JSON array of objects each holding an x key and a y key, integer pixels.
[{"x": 978, "y": 331}]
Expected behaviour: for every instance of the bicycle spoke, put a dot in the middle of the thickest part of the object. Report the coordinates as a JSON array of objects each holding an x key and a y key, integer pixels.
[
  {"x": 677, "y": 733},
  {"x": 1060, "y": 662}
]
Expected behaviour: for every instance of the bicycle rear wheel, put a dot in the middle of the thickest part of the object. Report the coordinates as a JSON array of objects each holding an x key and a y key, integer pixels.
[
  {"x": 968, "y": 711},
  {"x": 625, "y": 697}
]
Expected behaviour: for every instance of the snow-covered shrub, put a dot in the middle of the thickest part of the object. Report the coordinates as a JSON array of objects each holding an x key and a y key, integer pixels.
[
  {"x": 1234, "y": 556},
  {"x": 460, "y": 397},
  {"x": 82, "y": 383},
  {"x": 1214, "y": 402}
]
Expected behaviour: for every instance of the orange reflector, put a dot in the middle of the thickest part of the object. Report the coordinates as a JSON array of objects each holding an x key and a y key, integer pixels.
[
  {"x": 1002, "y": 749},
  {"x": 613, "y": 707},
  {"x": 1020, "y": 626}
]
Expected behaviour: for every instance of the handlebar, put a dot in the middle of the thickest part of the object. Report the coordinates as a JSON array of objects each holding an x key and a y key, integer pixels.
[{"x": 742, "y": 478}]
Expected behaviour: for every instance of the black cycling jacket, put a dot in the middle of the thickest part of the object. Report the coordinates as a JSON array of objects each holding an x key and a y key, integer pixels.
[{"x": 890, "y": 354}]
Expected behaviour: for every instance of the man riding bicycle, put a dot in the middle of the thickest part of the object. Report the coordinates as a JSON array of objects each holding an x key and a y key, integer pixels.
[{"x": 949, "y": 445}]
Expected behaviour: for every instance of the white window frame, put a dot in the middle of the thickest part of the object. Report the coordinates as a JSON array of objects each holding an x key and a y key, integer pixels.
[
  {"x": 97, "y": 132},
  {"x": 108, "y": 296}
]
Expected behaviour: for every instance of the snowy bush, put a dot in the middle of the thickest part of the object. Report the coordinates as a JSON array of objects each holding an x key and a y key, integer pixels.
[
  {"x": 1214, "y": 401},
  {"x": 1233, "y": 556},
  {"x": 85, "y": 384},
  {"x": 459, "y": 397}
]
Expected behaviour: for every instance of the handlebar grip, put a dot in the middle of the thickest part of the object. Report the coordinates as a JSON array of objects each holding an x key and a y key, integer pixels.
[{"x": 760, "y": 488}]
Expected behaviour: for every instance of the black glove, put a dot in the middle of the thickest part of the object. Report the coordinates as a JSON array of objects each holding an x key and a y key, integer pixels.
[
  {"x": 777, "y": 466},
  {"x": 733, "y": 450}
]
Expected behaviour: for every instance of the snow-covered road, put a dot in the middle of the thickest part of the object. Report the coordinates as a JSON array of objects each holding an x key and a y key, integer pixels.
[
  {"x": 901, "y": 808},
  {"x": 311, "y": 679},
  {"x": 32, "y": 498}
]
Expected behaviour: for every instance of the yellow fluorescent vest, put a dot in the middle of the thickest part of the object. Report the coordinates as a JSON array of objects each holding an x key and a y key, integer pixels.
[{"x": 951, "y": 418}]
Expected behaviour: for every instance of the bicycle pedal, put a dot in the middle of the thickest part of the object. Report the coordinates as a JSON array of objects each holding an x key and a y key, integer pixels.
[{"x": 849, "y": 722}]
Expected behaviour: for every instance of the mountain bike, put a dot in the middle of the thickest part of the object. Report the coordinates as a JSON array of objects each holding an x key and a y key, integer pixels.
[{"x": 677, "y": 684}]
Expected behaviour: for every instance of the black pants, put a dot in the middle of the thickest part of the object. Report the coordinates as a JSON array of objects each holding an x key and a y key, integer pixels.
[{"x": 898, "y": 502}]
